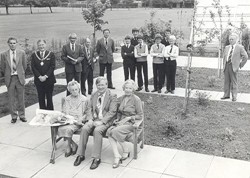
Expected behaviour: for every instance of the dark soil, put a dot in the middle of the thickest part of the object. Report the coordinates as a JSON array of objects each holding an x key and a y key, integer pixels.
[
  {"x": 206, "y": 79},
  {"x": 219, "y": 128},
  {"x": 30, "y": 97}
]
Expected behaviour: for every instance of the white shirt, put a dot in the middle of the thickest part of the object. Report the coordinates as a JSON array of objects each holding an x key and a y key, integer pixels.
[
  {"x": 11, "y": 61},
  {"x": 100, "y": 116},
  {"x": 71, "y": 46},
  {"x": 174, "y": 53},
  {"x": 230, "y": 47}
]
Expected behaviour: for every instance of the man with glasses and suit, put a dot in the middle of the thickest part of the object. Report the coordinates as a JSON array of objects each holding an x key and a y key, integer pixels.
[
  {"x": 235, "y": 57},
  {"x": 13, "y": 66},
  {"x": 105, "y": 48},
  {"x": 72, "y": 55}
]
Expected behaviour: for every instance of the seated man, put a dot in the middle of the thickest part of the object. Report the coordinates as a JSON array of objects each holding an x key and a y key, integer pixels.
[{"x": 101, "y": 113}]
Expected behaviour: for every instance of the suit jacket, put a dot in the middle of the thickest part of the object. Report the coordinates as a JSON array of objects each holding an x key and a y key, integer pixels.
[
  {"x": 47, "y": 68},
  {"x": 105, "y": 52},
  {"x": 77, "y": 54},
  {"x": 5, "y": 67},
  {"x": 108, "y": 110},
  {"x": 239, "y": 57},
  {"x": 90, "y": 58},
  {"x": 129, "y": 57},
  {"x": 134, "y": 41},
  {"x": 165, "y": 42}
]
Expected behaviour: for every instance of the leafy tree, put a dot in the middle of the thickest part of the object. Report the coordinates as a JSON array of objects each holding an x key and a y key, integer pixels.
[
  {"x": 113, "y": 2},
  {"x": 30, "y": 3},
  {"x": 7, "y": 3},
  {"x": 93, "y": 15},
  {"x": 48, "y": 3}
]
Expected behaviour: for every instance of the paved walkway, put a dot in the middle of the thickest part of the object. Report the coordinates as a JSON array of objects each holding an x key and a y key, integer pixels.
[{"x": 25, "y": 152}]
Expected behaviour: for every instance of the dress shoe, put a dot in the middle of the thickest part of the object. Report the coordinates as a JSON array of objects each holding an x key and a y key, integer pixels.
[
  {"x": 139, "y": 89},
  {"x": 234, "y": 99},
  {"x": 89, "y": 92},
  {"x": 172, "y": 91},
  {"x": 159, "y": 91},
  {"x": 111, "y": 87},
  {"x": 74, "y": 151},
  {"x": 225, "y": 97},
  {"x": 13, "y": 121},
  {"x": 154, "y": 90},
  {"x": 78, "y": 160},
  {"x": 95, "y": 163},
  {"x": 69, "y": 153},
  {"x": 125, "y": 156},
  {"x": 166, "y": 92},
  {"x": 117, "y": 162},
  {"x": 146, "y": 90},
  {"x": 23, "y": 119}
]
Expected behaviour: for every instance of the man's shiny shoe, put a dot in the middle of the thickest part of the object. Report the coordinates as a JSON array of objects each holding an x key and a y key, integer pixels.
[
  {"x": 154, "y": 90},
  {"x": 146, "y": 90},
  {"x": 111, "y": 87},
  {"x": 225, "y": 97},
  {"x": 234, "y": 99},
  {"x": 78, "y": 160},
  {"x": 13, "y": 121},
  {"x": 95, "y": 163},
  {"x": 139, "y": 88},
  {"x": 159, "y": 91},
  {"x": 23, "y": 119}
]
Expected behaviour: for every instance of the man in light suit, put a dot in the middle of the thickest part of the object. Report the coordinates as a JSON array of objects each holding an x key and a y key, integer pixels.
[
  {"x": 72, "y": 55},
  {"x": 235, "y": 57},
  {"x": 105, "y": 48},
  {"x": 87, "y": 67},
  {"x": 13, "y": 66},
  {"x": 100, "y": 114}
]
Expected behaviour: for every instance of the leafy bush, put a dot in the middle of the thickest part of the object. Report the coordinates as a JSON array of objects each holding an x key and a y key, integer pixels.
[
  {"x": 211, "y": 81},
  {"x": 202, "y": 98}
]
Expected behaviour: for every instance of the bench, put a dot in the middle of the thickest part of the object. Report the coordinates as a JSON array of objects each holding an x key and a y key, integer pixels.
[{"x": 138, "y": 136}]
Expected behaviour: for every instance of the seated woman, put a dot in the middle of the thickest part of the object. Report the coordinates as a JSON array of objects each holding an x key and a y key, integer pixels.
[
  {"x": 129, "y": 111},
  {"x": 75, "y": 105}
]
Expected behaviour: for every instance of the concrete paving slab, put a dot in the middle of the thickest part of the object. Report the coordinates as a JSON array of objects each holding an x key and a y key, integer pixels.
[
  {"x": 28, "y": 165},
  {"x": 228, "y": 168},
  {"x": 63, "y": 168},
  {"x": 9, "y": 154},
  {"x": 136, "y": 173},
  {"x": 189, "y": 164},
  {"x": 168, "y": 176},
  {"x": 155, "y": 159},
  {"x": 103, "y": 171}
]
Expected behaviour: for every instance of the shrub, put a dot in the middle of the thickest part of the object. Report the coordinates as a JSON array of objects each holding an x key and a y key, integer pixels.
[
  {"x": 201, "y": 50},
  {"x": 202, "y": 98},
  {"x": 211, "y": 81}
]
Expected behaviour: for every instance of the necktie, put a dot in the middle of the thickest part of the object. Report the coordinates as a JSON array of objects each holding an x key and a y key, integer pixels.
[
  {"x": 140, "y": 46},
  {"x": 230, "y": 55},
  {"x": 14, "y": 62},
  {"x": 158, "y": 46},
  {"x": 73, "y": 47},
  {"x": 42, "y": 55},
  {"x": 170, "y": 52},
  {"x": 88, "y": 53},
  {"x": 106, "y": 41}
]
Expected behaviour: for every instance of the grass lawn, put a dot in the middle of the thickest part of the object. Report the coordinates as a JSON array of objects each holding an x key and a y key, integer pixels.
[
  {"x": 30, "y": 97},
  {"x": 200, "y": 79},
  {"x": 59, "y": 24},
  {"x": 220, "y": 128}
]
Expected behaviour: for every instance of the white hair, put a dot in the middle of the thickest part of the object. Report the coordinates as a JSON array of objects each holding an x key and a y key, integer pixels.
[
  {"x": 234, "y": 34},
  {"x": 72, "y": 35},
  {"x": 73, "y": 83},
  {"x": 172, "y": 37},
  {"x": 130, "y": 82}
]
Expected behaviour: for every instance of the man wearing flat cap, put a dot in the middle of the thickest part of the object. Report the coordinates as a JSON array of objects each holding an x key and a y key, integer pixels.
[
  {"x": 141, "y": 53},
  {"x": 157, "y": 52},
  {"x": 127, "y": 52}
]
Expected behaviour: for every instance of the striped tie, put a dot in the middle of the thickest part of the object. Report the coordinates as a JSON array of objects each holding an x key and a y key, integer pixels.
[
  {"x": 14, "y": 62},
  {"x": 170, "y": 52},
  {"x": 230, "y": 55}
]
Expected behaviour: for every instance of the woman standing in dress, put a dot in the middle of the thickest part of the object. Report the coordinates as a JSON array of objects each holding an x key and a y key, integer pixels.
[
  {"x": 129, "y": 111},
  {"x": 75, "y": 105},
  {"x": 43, "y": 66}
]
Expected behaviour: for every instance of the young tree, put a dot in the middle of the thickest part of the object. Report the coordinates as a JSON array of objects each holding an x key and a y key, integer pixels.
[
  {"x": 93, "y": 15},
  {"x": 6, "y": 3},
  {"x": 30, "y": 3}
]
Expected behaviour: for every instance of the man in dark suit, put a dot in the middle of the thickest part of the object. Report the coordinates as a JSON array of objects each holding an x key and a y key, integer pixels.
[
  {"x": 105, "y": 48},
  {"x": 13, "y": 66},
  {"x": 127, "y": 52},
  {"x": 100, "y": 114},
  {"x": 165, "y": 40},
  {"x": 43, "y": 66},
  {"x": 72, "y": 55},
  {"x": 235, "y": 57},
  {"x": 87, "y": 67}
]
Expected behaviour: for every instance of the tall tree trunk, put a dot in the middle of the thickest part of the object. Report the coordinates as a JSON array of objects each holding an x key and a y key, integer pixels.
[
  {"x": 50, "y": 9},
  {"x": 31, "y": 9},
  {"x": 7, "y": 9}
]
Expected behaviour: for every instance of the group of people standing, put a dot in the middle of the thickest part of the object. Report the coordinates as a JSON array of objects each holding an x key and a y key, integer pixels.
[{"x": 164, "y": 53}]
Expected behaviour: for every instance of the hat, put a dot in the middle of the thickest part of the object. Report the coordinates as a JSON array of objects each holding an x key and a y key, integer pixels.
[
  {"x": 135, "y": 29},
  {"x": 127, "y": 37},
  {"x": 158, "y": 36},
  {"x": 139, "y": 37}
]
